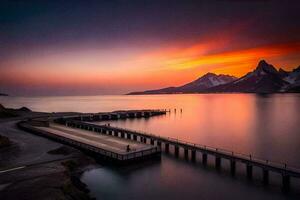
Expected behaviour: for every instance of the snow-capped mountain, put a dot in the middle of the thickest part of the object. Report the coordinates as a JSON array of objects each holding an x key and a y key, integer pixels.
[
  {"x": 207, "y": 81},
  {"x": 265, "y": 78}
]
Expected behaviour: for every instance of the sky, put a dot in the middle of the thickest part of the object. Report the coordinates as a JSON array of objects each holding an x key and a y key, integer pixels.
[{"x": 90, "y": 47}]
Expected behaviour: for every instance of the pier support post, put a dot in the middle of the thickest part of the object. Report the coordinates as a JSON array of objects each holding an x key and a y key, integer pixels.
[
  {"x": 122, "y": 135},
  {"x": 176, "y": 150},
  {"x": 145, "y": 140},
  {"x": 265, "y": 176},
  {"x": 194, "y": 155},
  {"x": 167, "y": 147},
  {"x": 249, "y": 171},
  {"x": 152, "y": 141},
  {"x": 285, "y": 183},
  {"x": 159, "y": 143},
  {"x": 128, "y": 136},
  {"x": 186, "y": 153},
  {"x": 218, "y": 162},
  {"x": 204, "y": 158},
  {"x": 232, "y": 167},
  {"x": 135, "y": 137}
]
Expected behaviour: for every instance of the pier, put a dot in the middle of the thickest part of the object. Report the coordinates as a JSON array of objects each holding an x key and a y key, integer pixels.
[
  {"x": 120, "y": 149},
  {"x": 108, "y": 141},
  {"x": 116, "y": 115},
  {"x": 219, "y": 155}
]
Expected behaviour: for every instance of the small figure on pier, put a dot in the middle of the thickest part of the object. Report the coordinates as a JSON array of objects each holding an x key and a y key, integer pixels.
[
  {"x": 175, "y": 110},
  {"x": 128, "y": 148},
  {"x": 181, "y": 110}
]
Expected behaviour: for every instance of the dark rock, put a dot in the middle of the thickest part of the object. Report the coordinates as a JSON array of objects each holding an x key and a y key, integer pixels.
[{"x": 24, "y": 109}]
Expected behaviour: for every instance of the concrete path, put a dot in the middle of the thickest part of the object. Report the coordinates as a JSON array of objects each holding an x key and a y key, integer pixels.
[{"x": 107, "y": 142}]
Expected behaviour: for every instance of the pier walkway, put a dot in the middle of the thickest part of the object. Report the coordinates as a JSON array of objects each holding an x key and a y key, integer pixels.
[{"x": 103, "y": 145}]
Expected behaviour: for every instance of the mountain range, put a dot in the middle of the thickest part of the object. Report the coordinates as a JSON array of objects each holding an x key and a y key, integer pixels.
[{"x": 264, "y": 79}]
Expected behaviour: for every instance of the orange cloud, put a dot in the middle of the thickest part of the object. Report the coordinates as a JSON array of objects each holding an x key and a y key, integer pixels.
[{"x": 236, "y": 62}]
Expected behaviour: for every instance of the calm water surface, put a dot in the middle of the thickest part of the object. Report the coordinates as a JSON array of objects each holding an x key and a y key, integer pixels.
[{"x": 264, "y": 126}]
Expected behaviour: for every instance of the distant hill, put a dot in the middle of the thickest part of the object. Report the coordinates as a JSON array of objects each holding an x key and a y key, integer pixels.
[{"x": 264, "y": 79}]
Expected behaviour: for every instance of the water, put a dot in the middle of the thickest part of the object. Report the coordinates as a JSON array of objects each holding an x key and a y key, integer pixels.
[{"x": 263, "y": 126}]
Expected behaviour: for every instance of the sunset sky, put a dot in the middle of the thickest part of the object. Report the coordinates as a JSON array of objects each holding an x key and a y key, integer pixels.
[{"x": 114, "y": 47}]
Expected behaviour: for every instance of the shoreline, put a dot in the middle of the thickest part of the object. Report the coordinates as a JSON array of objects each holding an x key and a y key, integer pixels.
[{"x": 33, "y": 167}]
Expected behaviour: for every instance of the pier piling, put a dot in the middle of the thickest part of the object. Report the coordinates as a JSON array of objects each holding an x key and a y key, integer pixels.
[
  {"x": 249, "y": 171},
  {"x": 265, "y": 177},
  {"x": 204, "y": 158},
  {"x": 176, "y": 150},
  {"x": 193, "y": 155},
  {"x": 167, "y": 147},
  {"x": 186, "y": 153},
  {"x": 159, "y": 143},
  {"x": 218, "y": 162},
  {"x": 232, "y": 167},
  {"x": 285, "y": 182},
  {"x": 152, "y": 141}
]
